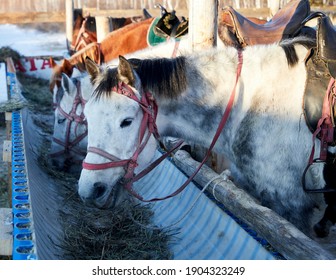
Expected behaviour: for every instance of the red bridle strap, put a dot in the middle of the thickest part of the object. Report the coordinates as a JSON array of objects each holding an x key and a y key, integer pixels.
[
  {"x": 149, "y": 107},
  {"x": 325, "y": 126},
  {"x": 214, "y": 140},
  {"x": 71, "y": 118}
]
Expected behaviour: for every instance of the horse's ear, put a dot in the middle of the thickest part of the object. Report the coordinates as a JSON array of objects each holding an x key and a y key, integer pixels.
[
  {"x": 52, "y": 62},
  {"x": 67, "y": 84},
  {"x": 125, "y": 71},
  {"x": 92, "y": 68},
  {"x": 67, "y": 67},
  {"x": 146, "y": 14}
]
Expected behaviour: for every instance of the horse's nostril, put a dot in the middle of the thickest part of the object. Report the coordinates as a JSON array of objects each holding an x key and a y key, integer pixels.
[{"x": 99, "y": 189}]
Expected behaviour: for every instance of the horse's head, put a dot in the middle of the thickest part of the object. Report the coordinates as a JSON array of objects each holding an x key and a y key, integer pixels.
[
  {"x": 119, "y": 143},
  {"x": 56, "y": 76},
  {"x": 70, "y": 127}
]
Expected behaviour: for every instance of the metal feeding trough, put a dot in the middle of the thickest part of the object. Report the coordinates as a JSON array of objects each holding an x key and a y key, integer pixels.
[{"x": 23, "y": 231}]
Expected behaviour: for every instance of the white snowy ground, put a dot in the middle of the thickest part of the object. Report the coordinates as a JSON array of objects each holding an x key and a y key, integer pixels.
[{"x": 30, "y": 42}]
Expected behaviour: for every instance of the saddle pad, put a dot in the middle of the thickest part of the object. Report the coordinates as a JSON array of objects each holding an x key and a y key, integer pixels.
[{"x": 152, "y": 38}]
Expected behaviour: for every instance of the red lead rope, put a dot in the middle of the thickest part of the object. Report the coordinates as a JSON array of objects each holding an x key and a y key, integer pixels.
[
  {"x": 218, "y": 132},
  {"x": 130, "y": 164},
  {"x": 214, "y": 140}
]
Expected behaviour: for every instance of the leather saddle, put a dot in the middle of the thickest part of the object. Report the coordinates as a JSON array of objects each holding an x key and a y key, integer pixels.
[
  {"x": 320, "y": 92},
  {"x": 238, "y": 31},
  {"x": 321, "y": 67}
]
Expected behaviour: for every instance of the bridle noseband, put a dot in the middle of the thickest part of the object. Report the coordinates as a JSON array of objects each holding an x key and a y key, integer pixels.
[
  {"x": 148, "y": 124},
  {"x": 150, "y": 109},
  {"x": 72, "y": 118}
]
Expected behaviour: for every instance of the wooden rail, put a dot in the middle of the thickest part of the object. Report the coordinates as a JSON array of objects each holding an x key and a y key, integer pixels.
[
  {"x": 49, "y": 17},
  {"x": 31, "y": 17},
  {"x": 282, "y": 235}
]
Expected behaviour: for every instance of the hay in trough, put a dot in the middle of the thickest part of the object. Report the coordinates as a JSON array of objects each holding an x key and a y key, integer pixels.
[
  {"x": 91, "y": 233},
  {"x": 6, "y": 52},
  {"x": 13, "y": 104},
  {"x": 124, "y": 233}
]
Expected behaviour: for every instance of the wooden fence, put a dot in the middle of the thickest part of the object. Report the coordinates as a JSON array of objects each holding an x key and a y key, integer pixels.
[
  {"x": 28, "y": 11},
  {"x": 59, "y": 5}
]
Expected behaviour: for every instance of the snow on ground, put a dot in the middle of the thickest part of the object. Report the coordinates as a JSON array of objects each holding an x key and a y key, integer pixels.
[{"x": 30, "y": 42}]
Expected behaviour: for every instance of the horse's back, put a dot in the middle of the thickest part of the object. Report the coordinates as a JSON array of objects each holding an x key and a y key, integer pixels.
[{"x": 128, "y": 39}]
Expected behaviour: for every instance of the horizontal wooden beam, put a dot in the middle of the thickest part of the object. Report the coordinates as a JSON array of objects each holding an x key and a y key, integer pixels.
[
  {"x": 282, "y": 235},
  {"x": 128, "y": 12},
  {"x": 31, "y": 17},
  {"x": 40, "y": 17},
  {"x": 251, "y": 12}
]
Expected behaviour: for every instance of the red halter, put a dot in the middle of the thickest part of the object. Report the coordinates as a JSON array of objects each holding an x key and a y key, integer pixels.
[
  {"x": 72, "y": 117},
  {"x": 149, "y": 108}
]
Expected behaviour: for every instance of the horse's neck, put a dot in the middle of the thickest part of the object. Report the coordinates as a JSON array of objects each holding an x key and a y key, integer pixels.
[
  {"x": 193, "y": 109},
  {"x": 210, "y": 79},
  {"x": 130, "y": 38}
]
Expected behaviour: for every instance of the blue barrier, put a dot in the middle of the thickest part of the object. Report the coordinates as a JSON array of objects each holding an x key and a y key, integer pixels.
[
  {"x": 23, "y": 237},
  {"x": 23, "y": 233}
]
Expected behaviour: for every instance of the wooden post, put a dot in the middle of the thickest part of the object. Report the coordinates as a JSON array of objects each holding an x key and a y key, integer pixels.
[
  {"x": 69, "y": 21},
  {"x": 103, "y": 27},
  {"x": 203, "y": 25},
  {"x": 274, "y": 6},
  {"x": 6, "y": 229},
  {"x": 7, "y": 154}
]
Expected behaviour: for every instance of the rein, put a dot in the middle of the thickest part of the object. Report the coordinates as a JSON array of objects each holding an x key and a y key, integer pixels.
[
  {"x": 72, "y": 117},
  {"x": 149, "y": 108}
]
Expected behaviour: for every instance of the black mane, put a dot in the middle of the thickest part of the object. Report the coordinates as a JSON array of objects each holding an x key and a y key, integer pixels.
[
  {"x": 308, "y": 41},
  {"x": 164, "y": 77}
]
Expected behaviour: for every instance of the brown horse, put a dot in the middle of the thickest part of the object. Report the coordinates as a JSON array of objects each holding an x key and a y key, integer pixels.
[
  {"x": 84, "y": 31},
  {"x": 128, "y": 39}
]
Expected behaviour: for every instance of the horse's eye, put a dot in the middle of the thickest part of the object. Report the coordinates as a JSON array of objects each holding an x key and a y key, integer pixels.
[
  {"x": 61, "y": 121},
  {"x": 126, "y": 122}
]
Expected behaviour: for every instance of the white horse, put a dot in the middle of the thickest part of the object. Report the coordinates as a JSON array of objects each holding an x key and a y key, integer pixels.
[
  {"x": 69, "y": 144},
  {"x": 66, "y": 154},
  {"x": 265, "y": 138}
]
